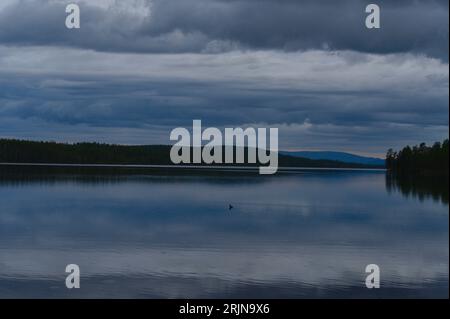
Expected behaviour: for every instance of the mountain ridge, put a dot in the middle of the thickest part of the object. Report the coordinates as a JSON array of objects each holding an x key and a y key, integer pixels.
[{"x": 344, "y": 157}]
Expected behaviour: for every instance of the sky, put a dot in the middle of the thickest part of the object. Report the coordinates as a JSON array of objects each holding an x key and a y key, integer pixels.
[{"x": 137, "y": 69}]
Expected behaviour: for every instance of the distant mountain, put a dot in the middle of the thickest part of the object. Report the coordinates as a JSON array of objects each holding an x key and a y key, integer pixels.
[{"x": 337, "y": 156}]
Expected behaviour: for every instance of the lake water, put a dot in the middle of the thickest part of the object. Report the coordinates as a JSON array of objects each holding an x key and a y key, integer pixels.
[{"x": 304, "y": 234}]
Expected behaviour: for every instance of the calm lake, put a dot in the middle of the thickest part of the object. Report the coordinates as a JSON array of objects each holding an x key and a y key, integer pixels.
[{"x": 303, "y": 234}]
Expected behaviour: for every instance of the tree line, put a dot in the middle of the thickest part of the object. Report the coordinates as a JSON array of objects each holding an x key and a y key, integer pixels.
[
  {"x": 20, "y": 151},
  {"x": 421, "y": 159}
]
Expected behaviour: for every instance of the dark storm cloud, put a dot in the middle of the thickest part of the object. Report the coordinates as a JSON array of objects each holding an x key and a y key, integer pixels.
[{"x": 218, "y": 25}]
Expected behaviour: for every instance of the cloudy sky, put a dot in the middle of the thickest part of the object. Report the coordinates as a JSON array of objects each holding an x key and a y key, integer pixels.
[{"x": 137, "y": 69}]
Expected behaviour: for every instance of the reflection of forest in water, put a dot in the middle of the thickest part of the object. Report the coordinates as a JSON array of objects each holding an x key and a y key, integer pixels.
[
  {"x": 421, "y": 187},
  {"x": 49, "y": 175}
]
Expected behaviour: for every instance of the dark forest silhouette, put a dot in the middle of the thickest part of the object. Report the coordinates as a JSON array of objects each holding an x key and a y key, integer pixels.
[
  {"x": 420, "y": 159},
  {"x": 19, "y": 151},
  {"x": 420, "y": 171}
]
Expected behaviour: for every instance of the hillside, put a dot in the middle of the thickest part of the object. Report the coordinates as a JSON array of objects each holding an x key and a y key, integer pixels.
[{"x": 338, "y": 156}]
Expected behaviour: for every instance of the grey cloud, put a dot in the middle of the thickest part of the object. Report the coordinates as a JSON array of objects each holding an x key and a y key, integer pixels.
[
  {"x": 341, "y": 101},
  {"x": 218, "y": 25}
]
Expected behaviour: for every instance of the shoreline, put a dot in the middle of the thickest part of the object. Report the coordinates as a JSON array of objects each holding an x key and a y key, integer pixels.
[{"x": 206, "y": 167}]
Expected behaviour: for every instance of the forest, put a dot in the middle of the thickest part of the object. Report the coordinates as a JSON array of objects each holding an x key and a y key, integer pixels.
[
  {"x": 419, "y": 159},
  {"x": 21, "y": 151}
]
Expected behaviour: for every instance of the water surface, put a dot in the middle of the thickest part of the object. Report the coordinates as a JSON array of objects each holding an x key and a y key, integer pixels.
[{"x": 306, "y": 234}]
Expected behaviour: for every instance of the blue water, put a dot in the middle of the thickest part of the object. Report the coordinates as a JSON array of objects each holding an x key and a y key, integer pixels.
[{"x": 308, "y": 234}]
